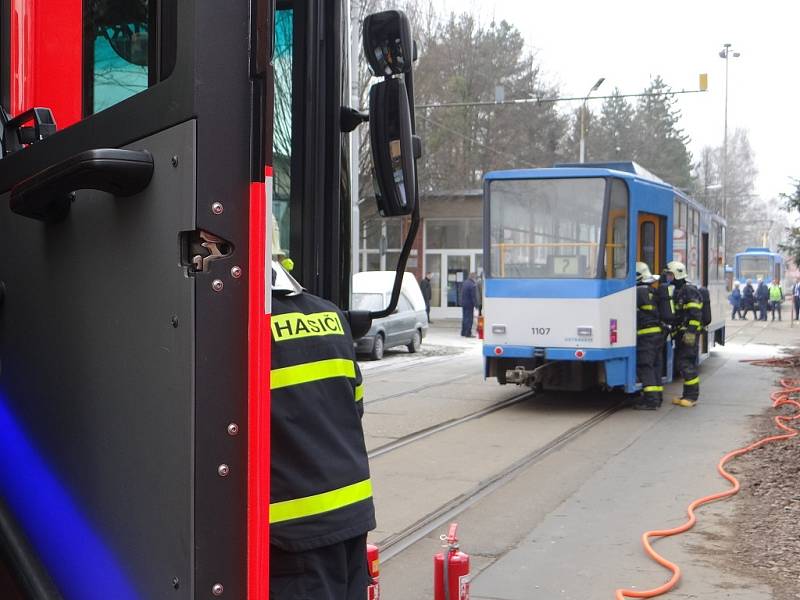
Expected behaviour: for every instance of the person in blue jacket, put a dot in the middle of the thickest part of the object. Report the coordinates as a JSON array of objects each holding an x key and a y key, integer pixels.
[
  {"x": 762, "y": 298},
  {"x": 469, "y": 300},
  {"x": 736, "y": 301},
  {"x": 748, "y": 300}
]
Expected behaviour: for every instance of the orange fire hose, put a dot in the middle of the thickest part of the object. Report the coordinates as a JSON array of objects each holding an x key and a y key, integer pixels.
[{"x": 779, "y": 397}]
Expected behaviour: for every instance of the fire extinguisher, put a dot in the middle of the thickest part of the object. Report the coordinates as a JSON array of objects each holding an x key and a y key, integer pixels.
[
  {"x": 373, "y": 563},
  {"x": 451, "y": 569},
  {"x": 480, "y": 327}
]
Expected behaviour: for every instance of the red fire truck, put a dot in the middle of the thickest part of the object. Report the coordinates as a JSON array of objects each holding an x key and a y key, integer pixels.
[{"x": 146, "y": 146}]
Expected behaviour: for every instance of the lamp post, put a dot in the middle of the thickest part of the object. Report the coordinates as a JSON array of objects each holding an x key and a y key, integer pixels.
[
  {"x": 583, "y": 117},
  {"x": 725, "y": 53}
]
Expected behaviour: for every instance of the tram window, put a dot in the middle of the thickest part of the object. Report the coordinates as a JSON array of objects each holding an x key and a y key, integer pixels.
[
  {"x": 120, "y": 50},
  {"x": 617, "y": 243},
  {"x": 647, "y": 235},
  {"x": 546, "y": 228},
  {"x": 676, "y": 212},
  {"x": 282, "y": 137}
]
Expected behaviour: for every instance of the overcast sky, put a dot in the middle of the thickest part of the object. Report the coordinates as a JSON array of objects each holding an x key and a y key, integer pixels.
[{"x": 627, "y": 42}]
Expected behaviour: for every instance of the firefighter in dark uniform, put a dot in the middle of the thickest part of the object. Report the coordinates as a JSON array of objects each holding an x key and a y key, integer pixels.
[
  {"x": 321, "y": 496},
  {"x": 649, "y": 341},
  {"x": 688, "y": 327}
]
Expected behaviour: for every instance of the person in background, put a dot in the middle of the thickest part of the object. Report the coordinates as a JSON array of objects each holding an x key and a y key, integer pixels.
[
  {"x": 469, "y": 301},
  {"x": 796, "y": 298},
  {"x": 425, "y": 287},
  {"x": 776, "y": 298},
  {"x": 762, "y": 298},
  {"x": 749, "y": 299},
  {"x": 736, "y": 301}
]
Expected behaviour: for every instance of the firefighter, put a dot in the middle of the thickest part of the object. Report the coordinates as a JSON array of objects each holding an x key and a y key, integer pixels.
[
  {"x": 649, "y": 341},
  {"x": 688, "y": 326},
  {"x": 321, "y": 504}
]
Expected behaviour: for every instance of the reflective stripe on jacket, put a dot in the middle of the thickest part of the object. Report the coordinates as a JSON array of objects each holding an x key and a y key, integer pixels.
[
  {"x": 689, "y": 308},
  {"x": 320, "y": 491},
  {"x": 647, "y": 313}
]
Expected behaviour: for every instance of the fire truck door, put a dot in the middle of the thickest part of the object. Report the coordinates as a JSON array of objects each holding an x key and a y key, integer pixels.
[{"x": 123, "y": 322}]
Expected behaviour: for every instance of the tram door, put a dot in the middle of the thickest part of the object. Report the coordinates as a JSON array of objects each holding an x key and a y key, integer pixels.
[{"x": 652, "y": 247}]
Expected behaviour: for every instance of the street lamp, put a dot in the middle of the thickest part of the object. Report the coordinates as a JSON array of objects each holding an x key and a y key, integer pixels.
[
  {"x": 583, "y": 117},
  {"x": 726, "y": 53}
]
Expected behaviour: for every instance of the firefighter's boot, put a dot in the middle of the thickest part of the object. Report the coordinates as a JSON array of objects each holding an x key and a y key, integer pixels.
[{"x": 684, "y": 402}]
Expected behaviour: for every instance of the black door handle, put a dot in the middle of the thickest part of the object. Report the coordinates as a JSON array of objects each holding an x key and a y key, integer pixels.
[{"x": 47, "y": 195}]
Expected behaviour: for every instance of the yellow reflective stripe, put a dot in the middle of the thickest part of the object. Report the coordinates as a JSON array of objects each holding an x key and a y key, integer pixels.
[
  {"x": 320, "y": 503},
  {"x": 359, "y": 392},
  {"x": 647, "y": 307},
  {"x": 694, "y": 381},
  {"x": 695, "y": 322},
  {"x": 649, "y": 330},
  {"x": 653, "y": 388},
  {"x": 291, "y": 326},
  {"x": 313, "y": 371},
  {"x": 698, "y": 305}
]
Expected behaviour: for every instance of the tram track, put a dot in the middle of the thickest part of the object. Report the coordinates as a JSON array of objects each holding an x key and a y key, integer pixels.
[
  {"x": 417, "y": 389},
  {"x": 394, "y": 544},
  {"x": 443, "y": 426}
]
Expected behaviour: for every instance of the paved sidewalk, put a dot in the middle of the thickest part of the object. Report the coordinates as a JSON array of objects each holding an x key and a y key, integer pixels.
[{"x": 590, "y": 544}]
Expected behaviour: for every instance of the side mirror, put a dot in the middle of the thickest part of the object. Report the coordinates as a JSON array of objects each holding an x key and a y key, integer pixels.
[
  {"x": 392, "y": 148},
  {"x": 388, "y": 46}
]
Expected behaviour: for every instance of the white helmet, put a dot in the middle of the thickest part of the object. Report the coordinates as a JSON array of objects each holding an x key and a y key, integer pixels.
[
  {"x": 643, "y": 274},
  {"x": 678, "y": 269}
]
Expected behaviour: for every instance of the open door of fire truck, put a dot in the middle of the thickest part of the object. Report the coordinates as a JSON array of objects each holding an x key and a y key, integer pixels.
[{"x": 138, "y": 140}]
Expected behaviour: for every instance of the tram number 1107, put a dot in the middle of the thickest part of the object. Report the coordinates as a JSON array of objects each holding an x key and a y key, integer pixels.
[{"x": 540, "y": 330}]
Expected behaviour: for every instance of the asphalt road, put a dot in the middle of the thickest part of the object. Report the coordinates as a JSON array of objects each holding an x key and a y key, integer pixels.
[{"x": 549, "y": 506}]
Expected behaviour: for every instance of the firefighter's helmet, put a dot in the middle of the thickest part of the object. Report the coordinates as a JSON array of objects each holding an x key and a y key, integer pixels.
[
  {"x": 643, "y": 274},
  {"x": 678, "y": 269}
]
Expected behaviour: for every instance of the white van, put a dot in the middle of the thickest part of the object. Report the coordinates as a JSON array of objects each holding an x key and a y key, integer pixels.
[{"x": 372, "y": 291}]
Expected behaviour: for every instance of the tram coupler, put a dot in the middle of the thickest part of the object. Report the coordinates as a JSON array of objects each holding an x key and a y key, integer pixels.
[
  {"x": 530, "y": 377},
  {"x": 451, "y": 569}
]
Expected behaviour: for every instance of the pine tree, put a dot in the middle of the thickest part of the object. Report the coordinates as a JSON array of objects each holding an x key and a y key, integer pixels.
[
  {"x": 660, "y": 144},
  {"x": 616, "y": 134},
  {"x": 792, "y": 205}
]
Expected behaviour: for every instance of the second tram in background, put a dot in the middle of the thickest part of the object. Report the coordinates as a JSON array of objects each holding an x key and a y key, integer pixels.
[
  {"x": 755, "y": 263},
  {"x": 561, "y": 246}
]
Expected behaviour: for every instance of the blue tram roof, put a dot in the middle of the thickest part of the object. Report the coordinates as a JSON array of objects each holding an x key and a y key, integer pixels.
[{"x": 597, "y": 169}]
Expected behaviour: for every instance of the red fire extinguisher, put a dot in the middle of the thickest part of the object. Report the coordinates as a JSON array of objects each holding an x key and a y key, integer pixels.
[
  {"x": 480, "y": 327},
  {"x": 373, "y": 562},
  {"x": 451, "y": 569}
]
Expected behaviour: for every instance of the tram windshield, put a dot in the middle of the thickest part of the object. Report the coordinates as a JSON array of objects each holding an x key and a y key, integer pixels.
[
  {"x": 753, "y": 267},
  {"x": 552, "y": 228}
]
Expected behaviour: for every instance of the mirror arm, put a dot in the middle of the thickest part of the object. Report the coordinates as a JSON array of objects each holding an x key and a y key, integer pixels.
[
  {"x": 401, "y": 266},
  {"x": 350, "y": 118}
]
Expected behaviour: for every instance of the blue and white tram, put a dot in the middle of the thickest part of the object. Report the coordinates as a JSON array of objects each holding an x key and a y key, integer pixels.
[
  {"x": 561, "y": 246},
  {"x": 755, "y": 263}
]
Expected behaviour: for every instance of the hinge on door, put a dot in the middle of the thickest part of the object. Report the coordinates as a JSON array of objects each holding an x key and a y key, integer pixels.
[{"x": 200, "y": 248}]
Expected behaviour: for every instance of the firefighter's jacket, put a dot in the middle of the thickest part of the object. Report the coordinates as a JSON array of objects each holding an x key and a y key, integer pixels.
[
  {"x": 665, "y": 300},
  {"x": 320, "y": 489},
  {"x": 689, "y": 308},
  {"x": 647, "y": 319}
]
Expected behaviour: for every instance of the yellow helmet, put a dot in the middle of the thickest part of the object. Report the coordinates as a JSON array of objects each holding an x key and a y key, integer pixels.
[
  {"x": 643, "y": 274},
  {"x": 678, "y": 269}
]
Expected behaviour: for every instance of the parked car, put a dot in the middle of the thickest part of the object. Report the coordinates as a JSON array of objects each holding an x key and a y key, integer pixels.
[{"x": 407, "y": 326}]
